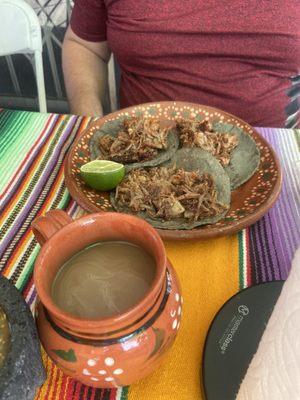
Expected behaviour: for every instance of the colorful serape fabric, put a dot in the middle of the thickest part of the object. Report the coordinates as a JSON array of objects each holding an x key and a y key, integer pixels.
[{"x": 32, "y": 150}]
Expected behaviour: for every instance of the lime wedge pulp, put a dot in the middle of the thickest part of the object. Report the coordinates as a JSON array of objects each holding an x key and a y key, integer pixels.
[{"x": 102, "y": 174}]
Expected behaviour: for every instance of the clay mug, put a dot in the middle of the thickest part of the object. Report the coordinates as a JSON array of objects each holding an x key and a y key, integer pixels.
[{"x": 118, "y": 350}]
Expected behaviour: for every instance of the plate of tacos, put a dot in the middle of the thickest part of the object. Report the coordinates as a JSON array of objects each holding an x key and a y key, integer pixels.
[{"x": 191, "y": 171}]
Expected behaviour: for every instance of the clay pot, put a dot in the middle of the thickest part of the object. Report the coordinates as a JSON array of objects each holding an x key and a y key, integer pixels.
[{"x": 118, "y": 350}]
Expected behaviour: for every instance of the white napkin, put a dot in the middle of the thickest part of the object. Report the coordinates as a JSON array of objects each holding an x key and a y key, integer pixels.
[{"x": 274, "y": 372}]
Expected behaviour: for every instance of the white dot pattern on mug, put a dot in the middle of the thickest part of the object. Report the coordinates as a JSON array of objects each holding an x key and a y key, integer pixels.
[
  {"x": 102, "y": 372},
  {"x": 174, "y": 324},
  {"x": 118, "y": 371},
  {"x": 109, "y": 361},
  {"x": 86, "y": 372},
  {"x": 91, "y": 362},
  {"x": 176, "y": 314}
]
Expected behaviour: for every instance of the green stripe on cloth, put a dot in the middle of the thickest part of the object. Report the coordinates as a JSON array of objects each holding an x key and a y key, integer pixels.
[
  {"x": 17, "y": 136},
  {"x": 297, "y": 136},
  {"x": 9, "y": 131},
  {"x": 124, "y": 395},
  {"x": 4, "y": 116}
]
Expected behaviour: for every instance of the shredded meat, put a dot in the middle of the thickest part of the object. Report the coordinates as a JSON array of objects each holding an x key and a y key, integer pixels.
[
  {"x": 193, "y": 133},
  {"x": 170, "y": 193},
  {"x": 140, "y": 139}
]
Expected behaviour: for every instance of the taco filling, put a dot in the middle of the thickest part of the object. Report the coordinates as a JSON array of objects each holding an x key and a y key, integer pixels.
[
  {"x": 169, "y": 193},
  {"x": 139, "y": 139},
  {"x": 193, "y": 133}
]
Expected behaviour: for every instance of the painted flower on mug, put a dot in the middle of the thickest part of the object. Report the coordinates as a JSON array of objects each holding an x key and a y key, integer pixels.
[{"x": 102, "y": 370}]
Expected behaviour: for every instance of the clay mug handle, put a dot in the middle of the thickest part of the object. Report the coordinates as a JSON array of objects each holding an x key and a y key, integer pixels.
[{"x": 44, "y": 227}]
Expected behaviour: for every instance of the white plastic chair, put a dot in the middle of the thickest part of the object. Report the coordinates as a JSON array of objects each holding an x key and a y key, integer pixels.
[
  {"x": 20, "y": 33},
  {"x": 112, "y": 84}
]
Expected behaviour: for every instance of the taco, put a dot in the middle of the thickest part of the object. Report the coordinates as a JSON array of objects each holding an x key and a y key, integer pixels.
[
  {"x": 245, "y": 158},
  {"x": 135, "y": 142},
  {"x": 190, "y": 190},
  {"x": 236, "y": 150}
]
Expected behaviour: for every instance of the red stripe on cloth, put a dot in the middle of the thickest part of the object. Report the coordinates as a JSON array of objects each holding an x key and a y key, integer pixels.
[
  {"x": 63, "y": 387},
  {"x": 77, "y": 390},
  {"x": 70, "y": 389},
  {"x": 56, "y": 386},
  {"x": 27, "y": 288},
  {"x": 93, "y": 394}
]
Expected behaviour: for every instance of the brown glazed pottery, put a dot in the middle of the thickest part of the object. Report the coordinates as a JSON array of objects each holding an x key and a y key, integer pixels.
[
  {"x": 249, "y": 202},
  {"x": 118, "y": 350}
]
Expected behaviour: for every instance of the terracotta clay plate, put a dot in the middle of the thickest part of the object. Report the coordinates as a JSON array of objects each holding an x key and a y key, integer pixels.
[{"x": 248, "y": 203}]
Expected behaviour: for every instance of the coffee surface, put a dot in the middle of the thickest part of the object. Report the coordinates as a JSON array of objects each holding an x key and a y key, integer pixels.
[{"x": 104, "y": 279}]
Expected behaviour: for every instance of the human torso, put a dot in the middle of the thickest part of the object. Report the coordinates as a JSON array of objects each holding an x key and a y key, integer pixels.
[{"x": 233, "y": 54}]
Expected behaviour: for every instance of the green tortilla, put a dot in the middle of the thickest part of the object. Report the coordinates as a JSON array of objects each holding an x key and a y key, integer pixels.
[
  {"x": 113, "y": 128},
  {"x": 245, "y": 157},
  {"x": 190, "y": 160}
]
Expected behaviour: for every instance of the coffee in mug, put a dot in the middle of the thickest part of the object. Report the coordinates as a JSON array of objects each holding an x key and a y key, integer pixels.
[{"x": 104, "y": 279}]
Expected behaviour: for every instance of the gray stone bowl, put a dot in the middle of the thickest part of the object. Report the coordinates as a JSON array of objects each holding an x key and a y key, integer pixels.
[{"x": 22, "y": 372}]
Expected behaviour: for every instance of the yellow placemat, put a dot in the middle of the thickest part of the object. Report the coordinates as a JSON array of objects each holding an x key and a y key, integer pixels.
[{"x": 209, "y": 275}]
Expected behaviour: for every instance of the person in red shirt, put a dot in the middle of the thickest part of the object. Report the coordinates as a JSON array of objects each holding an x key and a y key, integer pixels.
[{"x": 233, "y": 54}]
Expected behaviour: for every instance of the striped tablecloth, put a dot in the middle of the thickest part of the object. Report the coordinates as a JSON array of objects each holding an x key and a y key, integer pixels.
[{"x": 32, "y": 151}]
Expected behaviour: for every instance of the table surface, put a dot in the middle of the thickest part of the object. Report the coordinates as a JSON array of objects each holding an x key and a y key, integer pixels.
[{"x": 33, "y": 147}]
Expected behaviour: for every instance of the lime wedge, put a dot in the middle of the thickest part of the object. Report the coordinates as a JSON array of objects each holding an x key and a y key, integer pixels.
[{"x": 102, "y": 174}]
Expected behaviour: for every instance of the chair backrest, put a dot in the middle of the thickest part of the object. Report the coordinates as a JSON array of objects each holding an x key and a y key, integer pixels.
[
  {"x": 20, "y": 30},
  {"x": 112, "y": 84}
]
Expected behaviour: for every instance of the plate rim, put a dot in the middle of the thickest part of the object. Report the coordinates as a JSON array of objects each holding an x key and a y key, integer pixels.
[{"x": 184, "y": 234}]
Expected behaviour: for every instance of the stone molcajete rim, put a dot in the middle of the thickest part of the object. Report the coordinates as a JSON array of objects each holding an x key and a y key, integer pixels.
[{"x": 22, "y": 372}]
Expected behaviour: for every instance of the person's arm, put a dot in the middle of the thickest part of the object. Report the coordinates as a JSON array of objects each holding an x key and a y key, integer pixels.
[{"x": 85, "y": 73}]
